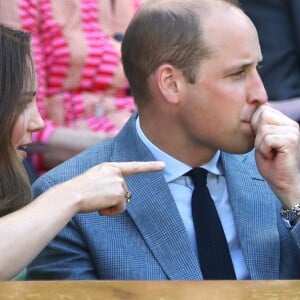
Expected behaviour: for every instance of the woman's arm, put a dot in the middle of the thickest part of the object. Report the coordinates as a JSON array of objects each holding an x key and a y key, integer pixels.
[{"x": 26, "y": 232}]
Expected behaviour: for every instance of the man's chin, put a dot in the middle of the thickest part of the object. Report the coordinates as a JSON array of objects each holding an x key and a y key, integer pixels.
[{"x": 244, "y": 146}]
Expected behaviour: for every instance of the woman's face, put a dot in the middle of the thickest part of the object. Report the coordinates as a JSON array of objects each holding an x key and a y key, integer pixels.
[{"x": 28, "y": 122}]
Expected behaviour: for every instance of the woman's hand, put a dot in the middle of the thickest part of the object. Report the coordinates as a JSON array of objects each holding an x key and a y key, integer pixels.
[{"x": 103, "y": 187}]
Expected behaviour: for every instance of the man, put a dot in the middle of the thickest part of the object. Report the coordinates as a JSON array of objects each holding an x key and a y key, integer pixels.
[
  {"x": 278, "y": 26},
  {"x": 192, "y": 69}
]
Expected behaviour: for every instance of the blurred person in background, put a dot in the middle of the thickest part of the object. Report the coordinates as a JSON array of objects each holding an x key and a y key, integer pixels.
[{"x": 83, "y": 95}]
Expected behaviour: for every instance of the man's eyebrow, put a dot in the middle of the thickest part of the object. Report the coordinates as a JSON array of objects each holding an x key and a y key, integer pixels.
[{"x": 244, "y": 65}]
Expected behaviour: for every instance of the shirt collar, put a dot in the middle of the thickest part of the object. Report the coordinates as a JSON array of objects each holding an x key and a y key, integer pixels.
[{"x": 175, "y": 168}]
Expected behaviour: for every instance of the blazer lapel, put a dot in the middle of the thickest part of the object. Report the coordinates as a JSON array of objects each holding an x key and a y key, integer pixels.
[
  {"x": 154, "y": 211},
  {"x": 254, "y": 212},
  {"x": 156, "y": 215}
]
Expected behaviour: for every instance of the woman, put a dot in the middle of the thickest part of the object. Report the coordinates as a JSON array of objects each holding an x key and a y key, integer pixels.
[
  {"x": 25, "y": 226},
  {"x": 83, "y": 94}
]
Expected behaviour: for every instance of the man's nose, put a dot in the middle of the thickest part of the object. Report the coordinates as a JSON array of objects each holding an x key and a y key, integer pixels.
[{"x": 257, "y": 92}]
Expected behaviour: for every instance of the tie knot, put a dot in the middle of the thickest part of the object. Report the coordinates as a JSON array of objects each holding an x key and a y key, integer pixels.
[{"x": 198, "y": 176}]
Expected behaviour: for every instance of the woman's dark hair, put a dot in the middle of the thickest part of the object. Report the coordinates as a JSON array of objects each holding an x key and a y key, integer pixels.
[{"x": 17, "y": 77}]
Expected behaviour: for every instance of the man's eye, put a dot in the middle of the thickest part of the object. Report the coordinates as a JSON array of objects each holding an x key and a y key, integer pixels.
[{"x": 238, "y": 74}]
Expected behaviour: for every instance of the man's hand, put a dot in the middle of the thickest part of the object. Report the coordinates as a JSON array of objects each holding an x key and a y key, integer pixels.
[{"x": 277, "y": 145}]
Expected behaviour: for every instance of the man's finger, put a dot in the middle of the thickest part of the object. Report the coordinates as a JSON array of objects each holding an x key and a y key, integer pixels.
[{"x": 134, "y": 167}]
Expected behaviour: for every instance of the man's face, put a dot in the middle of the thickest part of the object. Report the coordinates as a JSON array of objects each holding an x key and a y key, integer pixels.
[{"x": 219, "y": 106}]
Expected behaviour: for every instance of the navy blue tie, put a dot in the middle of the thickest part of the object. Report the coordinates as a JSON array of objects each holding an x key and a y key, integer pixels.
[{"x": 214, "y": 256}]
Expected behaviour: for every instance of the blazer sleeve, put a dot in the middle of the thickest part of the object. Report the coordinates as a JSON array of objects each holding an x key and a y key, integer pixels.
[{"x": 66, "y": 257}]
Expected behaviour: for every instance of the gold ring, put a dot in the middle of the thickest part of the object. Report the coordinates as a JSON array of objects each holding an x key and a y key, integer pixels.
[{"x": 128, "y": 196}]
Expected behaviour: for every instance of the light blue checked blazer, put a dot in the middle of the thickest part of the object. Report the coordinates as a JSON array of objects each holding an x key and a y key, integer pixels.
[{"x": 148, "y": 241}]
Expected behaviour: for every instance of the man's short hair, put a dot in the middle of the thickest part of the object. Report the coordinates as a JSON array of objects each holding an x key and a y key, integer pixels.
[{"x": 164, "y": 31}]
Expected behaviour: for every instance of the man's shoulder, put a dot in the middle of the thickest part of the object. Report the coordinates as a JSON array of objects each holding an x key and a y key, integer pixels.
[
  {"x": 122, "y": 147},
  {"x": 76, "y": 165}
]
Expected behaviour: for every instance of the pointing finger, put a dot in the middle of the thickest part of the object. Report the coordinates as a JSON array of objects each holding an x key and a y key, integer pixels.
[{"x": 134, "y": 167}]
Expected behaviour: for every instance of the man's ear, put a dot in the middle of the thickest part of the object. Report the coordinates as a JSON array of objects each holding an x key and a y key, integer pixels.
[{"x": 169, "y": 81}]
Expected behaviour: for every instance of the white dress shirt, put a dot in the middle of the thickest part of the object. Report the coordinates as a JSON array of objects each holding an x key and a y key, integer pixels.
[{"x": 182, "y": 187}]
